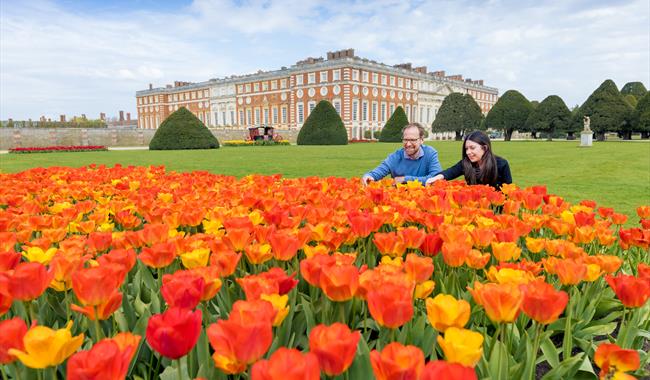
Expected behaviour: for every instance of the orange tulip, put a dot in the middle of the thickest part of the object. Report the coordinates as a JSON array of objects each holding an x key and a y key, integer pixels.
[
  {"x": 158, "y": 255},
  {"x": 444, "y": 311},
  {"x": 335, "y": 346},
  {"x": 105, "y": 360},
  {"x": 238, "y": 238},
  {"x": 535, "y": 245},
  {"x": 643, "y": 212},
  {"x": 412, "y": 237},
  {"x": 431, "y": 245},
  {"x": 99, "y": 242},
  {"x": 570, "y": 271},
  {"x": 396, "y": 361},
  {"x": 418, "y": 268},
  {"x": 391, "y": 304},
  {"x": 476, "y": 259},
  {"x": 611, "y": 358},
  {"x": 389, "y": 244},
  {"x": 28, "y": 281},
  {"x": 93, "y": 286},
  {"x": 284, "y": 245},
  {"x": 103, "y": 310},
  {"x": 339, "y": 282},
  {"x": 212, "y": 281},
  {"x": 501, "y": 301},
  {"x": 632, "y": 291},
  {"x": 454, "y": 254},
  {"x": 482, "y": 237},
  {"x": 9, "y": 260},
  {"x": 287, "y": 364},
  {"x": 311, "y": 268},
  {"x": 244, "y": 337},
  {"x": 258, "y": 253},
  {"x": 542, "y": 302}
]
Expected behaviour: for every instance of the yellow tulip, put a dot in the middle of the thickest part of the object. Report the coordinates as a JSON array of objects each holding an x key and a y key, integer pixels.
[
  {"x": 196, "y": 258},
  {"x": 387, "y": 260},
  {"x": 445, "y": 311},
  {"x": 279, "y": 304},
  {"x": 509, "y": 275},
  {"x": 424, "y": 289},
  {"x": 45, "y": 347},
  {"x": 462, "y": 346},
  {"x": 256, "y": 217},
  {"x": 212, "y": 226},
  {"x": 36, "y": 254}
]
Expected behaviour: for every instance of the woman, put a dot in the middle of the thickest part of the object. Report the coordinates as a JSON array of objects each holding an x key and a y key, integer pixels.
[{"x": 479, "y": 165}]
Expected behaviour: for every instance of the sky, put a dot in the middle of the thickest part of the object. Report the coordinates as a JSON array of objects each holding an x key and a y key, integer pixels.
[{"x": 86, "y": 57}]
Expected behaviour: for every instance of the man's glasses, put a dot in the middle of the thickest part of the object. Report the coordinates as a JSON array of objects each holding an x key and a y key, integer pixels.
[{"x": 410, "y": 141}]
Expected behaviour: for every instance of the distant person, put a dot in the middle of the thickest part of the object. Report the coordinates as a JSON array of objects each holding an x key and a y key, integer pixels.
[
  {"x": 479, "y": 165},
  {"x": 414, "y": 161}
]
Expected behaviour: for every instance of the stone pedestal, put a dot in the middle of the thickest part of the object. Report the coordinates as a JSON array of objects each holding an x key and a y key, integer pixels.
[{"x": 586, "y": 138}]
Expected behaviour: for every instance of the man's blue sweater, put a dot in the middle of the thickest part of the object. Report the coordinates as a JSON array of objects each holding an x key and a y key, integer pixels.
[{"x": 398, "y": 164}]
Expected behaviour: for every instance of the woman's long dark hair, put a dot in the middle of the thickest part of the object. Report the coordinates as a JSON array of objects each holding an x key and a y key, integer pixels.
[{"x": 488, "y": 164}]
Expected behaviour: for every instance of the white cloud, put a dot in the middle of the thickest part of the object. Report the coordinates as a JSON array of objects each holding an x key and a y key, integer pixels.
[{"x": 99, "y": 60}]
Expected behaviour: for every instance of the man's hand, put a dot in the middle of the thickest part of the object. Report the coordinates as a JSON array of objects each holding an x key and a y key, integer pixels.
[{"x": 366, "y": 180}]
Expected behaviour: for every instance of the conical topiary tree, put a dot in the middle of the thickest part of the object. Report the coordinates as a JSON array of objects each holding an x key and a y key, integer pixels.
[
  {"x": 509, "y": 113},
  {"x": 550, "y": 116},
  {"x": 323, "y": 127},
  {"x": 642, "y": 116},
  {"x": 636, "y": 89},
  {"x": 392, "y": 131},
  {"x": 183, "y": 130},
  {"x": 607, "y": 110},
  {"x": 458, "y": 113}
]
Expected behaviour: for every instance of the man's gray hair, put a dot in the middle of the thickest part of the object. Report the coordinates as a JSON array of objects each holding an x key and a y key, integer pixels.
[{"x": 419, "y": 126}]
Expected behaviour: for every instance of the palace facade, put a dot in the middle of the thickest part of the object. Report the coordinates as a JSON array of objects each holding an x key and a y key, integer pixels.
[{"x": 365, "y": 93}]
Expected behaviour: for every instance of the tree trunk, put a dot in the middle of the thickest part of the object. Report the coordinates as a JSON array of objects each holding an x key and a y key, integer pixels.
[
  {"x": 570, "y": 136},
  {"x": 600, "y": 136},
  {"x": 645, "y": 135},
  {"x": 534, "y": 134},
  {"x": 627, "y": 135},
  {"x": 507, "y": 134},
  {"x": 459, "y": 135}
]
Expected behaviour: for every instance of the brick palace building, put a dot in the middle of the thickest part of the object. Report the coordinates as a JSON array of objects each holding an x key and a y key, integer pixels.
[{"x": 364, "y": 92}]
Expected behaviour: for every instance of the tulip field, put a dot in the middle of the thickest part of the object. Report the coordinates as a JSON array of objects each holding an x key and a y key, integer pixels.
[{"x": 144, "y": 273}]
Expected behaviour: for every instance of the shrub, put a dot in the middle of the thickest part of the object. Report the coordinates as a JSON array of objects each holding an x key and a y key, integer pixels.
[
  {"x": 323, "y": 127},
  {"x": 368, "y": 134},
  {"x": 183, "y": 130},
  {"x": 392, "y": 131},
  {"x": 509, "y": 113},
  {"x": 458, "y": 113}
]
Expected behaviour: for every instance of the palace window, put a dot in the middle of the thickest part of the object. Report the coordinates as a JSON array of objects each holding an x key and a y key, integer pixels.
[
  {"x": 300, "y": 113},
  {"x": 323, "y": 76},
  {"x": 299, "y": 79},
  {"x": 311, "y": 78},
  {"x": 336, "y": 75}
]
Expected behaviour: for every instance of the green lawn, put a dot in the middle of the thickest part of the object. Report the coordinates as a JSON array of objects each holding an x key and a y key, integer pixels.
[{"x": 614, "y": 174}]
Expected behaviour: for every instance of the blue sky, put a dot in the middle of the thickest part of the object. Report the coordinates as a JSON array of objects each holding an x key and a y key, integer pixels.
[{"x": 73, "y": 57}]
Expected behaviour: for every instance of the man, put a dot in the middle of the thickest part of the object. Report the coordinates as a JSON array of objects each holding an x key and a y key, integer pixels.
[{"x": 413, "y": 162}]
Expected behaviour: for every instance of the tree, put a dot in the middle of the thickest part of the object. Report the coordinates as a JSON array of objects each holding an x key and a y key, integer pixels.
[
  {"x": 458, "y": 113},
  {"x": 183, "y": 130},
  {"x": 637, "y": 89},
  {"x": 631, "y": 100},
  {"x": 529, "y": 128},
  {"x": 392, "y": 131},
  {"x": 550, "y": 116},
  {"x": 607, "y": 110},
  {"x": 323, "y": 127},
  {"x": 642, "y": 116},
  {"x": 509, "y": 113}
]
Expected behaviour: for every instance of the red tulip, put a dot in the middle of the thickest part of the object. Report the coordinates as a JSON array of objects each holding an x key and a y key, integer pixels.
[
  {"x": 542, "y": 302},
  {"x": 632, "y": 291},
  {"x": 391, "y": 304},
  {"x": 105, "y": 360},
  {"x": 95, "y": 285},
  {"x": 442, "y": 370},
  {"x": 182, "y": 289},
  {"x": 13, "y": 331},
  {"x": 175, "y": 332}
]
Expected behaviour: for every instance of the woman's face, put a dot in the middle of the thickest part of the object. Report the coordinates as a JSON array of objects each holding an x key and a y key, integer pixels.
[{"x": 474, "y": 151}]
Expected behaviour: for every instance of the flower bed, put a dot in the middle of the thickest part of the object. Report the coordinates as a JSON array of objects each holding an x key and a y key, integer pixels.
[
  {"x": 255, "y": 143},
  {"x": 203, "y": 275},
  {"x": 51, "y": 149}
]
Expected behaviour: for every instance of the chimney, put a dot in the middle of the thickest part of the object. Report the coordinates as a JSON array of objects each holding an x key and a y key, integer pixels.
[
  {"x": 102, "y": 116},
  {"x": 150, "y": 86},
  {"x": 479, "y": 82},
  {"x": 440, "y": 73},
  {"x": 128, "y": 116},
  {"x": 169, "y": 86},
  {"x": 121, "y": 116},
  {"x": 421, "y": 69},
  {"x": 62, "y": 118}
]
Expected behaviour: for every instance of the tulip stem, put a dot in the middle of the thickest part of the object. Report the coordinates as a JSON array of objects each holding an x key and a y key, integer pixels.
[
  {"x": 4, "y": 374},
  {"x": 66, "y": 300},
  {"x": 16, "y": 371},
  {"x": 533, "y": 365},
  {"x": 178, "y": 372},
  {"x": 98, "y": 329}
]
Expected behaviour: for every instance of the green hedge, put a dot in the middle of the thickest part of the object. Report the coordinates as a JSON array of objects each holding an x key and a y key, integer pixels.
[
  {"x": 183, "y": 130},
  {"x": 392, "y": 131},
  {"x": 323, "y": 127}
]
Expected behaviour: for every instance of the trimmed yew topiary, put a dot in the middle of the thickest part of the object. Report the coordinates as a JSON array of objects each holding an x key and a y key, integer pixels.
[
  {"x": 392, "y": 131},
  {"x": 323, "y": 127},
  {"x": 183, "y": 130}
]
